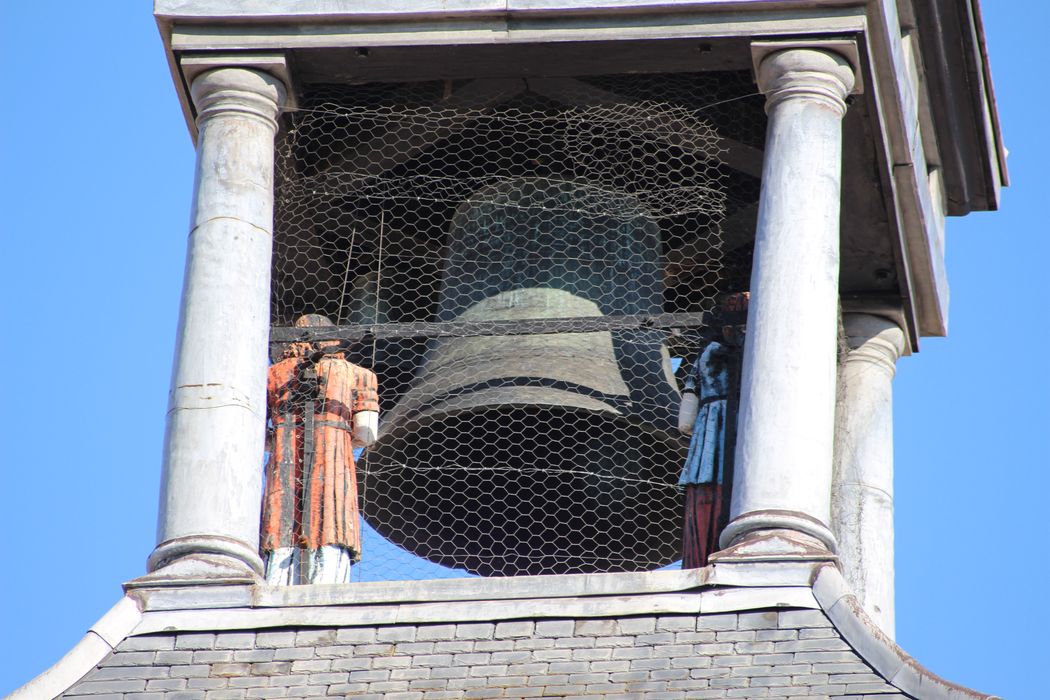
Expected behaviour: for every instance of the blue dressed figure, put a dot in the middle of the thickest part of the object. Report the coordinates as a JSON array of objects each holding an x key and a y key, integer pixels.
[{"x": 703, "y": 415}]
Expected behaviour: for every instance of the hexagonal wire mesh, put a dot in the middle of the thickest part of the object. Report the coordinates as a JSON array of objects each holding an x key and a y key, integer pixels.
[{"x": 526, "y": 265}]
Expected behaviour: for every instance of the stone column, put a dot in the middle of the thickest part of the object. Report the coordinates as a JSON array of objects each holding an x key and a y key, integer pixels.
[
  {"x": 211, "y": 486},
  {"x": 782, "y": 483},
  {"x": 862, "y": 494}
]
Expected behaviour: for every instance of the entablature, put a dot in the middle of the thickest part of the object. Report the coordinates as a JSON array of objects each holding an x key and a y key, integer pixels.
[{"x": 923, "y": 139}]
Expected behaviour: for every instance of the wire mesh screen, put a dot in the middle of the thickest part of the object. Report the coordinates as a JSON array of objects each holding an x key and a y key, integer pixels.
[{"x": 525, "y": 265}]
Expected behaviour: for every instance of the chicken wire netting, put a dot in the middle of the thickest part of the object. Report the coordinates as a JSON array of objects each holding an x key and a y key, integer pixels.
[{"x": 529, "y": 267}]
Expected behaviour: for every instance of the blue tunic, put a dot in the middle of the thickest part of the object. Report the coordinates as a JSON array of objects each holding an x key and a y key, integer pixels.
[{"x": 709, "y": 380}]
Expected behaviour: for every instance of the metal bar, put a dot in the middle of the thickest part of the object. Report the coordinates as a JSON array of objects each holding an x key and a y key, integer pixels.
[
  {"x": 307, "y": 384},
  {"x": 732, "y": 410},
  {"x": 467, "y": 329}
]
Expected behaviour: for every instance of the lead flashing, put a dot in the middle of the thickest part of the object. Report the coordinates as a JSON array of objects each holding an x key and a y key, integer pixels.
[
  {"x": 110, "y": 630},
  {"x": 890, "y": 661}
]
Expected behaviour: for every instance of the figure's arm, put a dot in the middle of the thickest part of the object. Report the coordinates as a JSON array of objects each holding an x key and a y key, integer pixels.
[
  {"x": 366, "y": 427},
  {"x": 687, "y": 412},
  {"x": 366, "y": 409},
  {"x": 690, "y": 405}
]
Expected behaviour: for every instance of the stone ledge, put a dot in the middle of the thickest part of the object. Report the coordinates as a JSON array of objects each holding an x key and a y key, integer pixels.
[
  {"x": 737, "y": 575},
  {"x": 695, "y": 603}
]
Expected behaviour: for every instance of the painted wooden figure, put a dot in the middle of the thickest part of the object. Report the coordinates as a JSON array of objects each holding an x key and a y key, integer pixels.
[
  {"x": 320, "y": 408},
  {"x": 704, "y": 415}
]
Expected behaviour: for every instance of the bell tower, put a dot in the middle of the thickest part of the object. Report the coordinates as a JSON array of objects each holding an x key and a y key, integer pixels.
[{"x": 493, "y": 310}]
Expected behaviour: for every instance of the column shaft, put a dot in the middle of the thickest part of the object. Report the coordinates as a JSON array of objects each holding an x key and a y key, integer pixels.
[
  {"x": 787, "y": 402},
  {"x": 862, "y": 494},
  {"x": 212, "y": 478}
]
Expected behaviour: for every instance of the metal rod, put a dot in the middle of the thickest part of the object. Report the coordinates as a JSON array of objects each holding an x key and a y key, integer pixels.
[
  {"x": 466, "y": 329},
  {"x": 308, "y": 386}
]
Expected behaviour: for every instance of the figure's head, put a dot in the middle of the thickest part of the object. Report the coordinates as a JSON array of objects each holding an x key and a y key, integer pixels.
[
  {"x": 734, "y": 318},
  {"x": 310, "y": 321},
  {"x": 313, "y": 321}
]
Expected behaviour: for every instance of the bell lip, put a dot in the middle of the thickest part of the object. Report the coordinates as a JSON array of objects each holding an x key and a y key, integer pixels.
[{"x": 413, "y": 537}]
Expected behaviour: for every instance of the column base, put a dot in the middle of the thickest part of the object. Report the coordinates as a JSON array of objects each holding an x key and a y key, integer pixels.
[
  {"x": 776, "y": 535},
  {"x": 200, "y": 560},
  {"x": 198, "y": 570}
]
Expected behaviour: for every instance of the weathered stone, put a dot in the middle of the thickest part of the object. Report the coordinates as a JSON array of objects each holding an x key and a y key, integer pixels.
[
  {"x": 802, "y": 618},
  {"x": 575, "y": 642},
  {"x": 757, "y": 621},
  {"x": 213, "y": 656},
  {"x": 254, "y": 655},
  {"x": 195, "y": 641},
  {"x": 274, "y": 639},
  {"x": 147, "y": 643},
  {"x": 554, "y": 628},
  {"x": 595, "y": 628},
  {"x": 271, "y": 668},
  {"x": 716, "y": 622},
  {"x": 776, "y": 635},
  {"x": 514, "y": 630},
  {"x": 637, "y": 625},
  {"x": 185, "y": 695},
  {"x": 409, "y": 674},
  {"x": 457, "y": 647},
  {"x": 391, "y": 662},
  {"x": 167, "y": 684},
  {"x": 475, "y": 631},
  {"x": 131, "y": 658},
  {"x": 315, "y": 638},
  {"x": 356, "y": 635},
  {"x": 100, "y": 687},
  {"x": 293, "y": 653},
  {"x": 230, "y": 670},
  {"x": 294, "y": 681},
  {"x": 127, "y": 673},
  {"x": 396, "y": 634},
  {"x": 828, "y": 644},
  {"x": 434, "y": 632},
  {"x": 191, "y": 671},
  {"x": 235, "y": 640},
  {"x": 226, "y": 694}
]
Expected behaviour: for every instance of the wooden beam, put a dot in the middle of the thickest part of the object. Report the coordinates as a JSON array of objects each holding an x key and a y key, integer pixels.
[
  {"x": 665, "y": 127},
  {"x": 736, "y": 230},
  {"x": 403, "y": 141}
]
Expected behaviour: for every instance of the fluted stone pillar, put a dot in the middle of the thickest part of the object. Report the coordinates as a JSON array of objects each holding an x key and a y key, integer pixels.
[
  {"x": 862, "y": 494},
  {"x": 782, "y": 480},
  {"x": 212, "y": 477}
]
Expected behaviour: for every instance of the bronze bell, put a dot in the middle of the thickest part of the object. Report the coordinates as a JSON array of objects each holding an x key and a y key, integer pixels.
[{"x": 542, "y": 453}]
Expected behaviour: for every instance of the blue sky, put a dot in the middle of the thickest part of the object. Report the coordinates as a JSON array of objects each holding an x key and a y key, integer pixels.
[{"x": 95, "y": 180}]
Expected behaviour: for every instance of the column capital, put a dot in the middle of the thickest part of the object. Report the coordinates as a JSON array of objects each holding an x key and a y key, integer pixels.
[
  {"x": 820, "y": 72},
  {"x": 873, "y": 339},
  {"x": 236, "y": 90}
]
